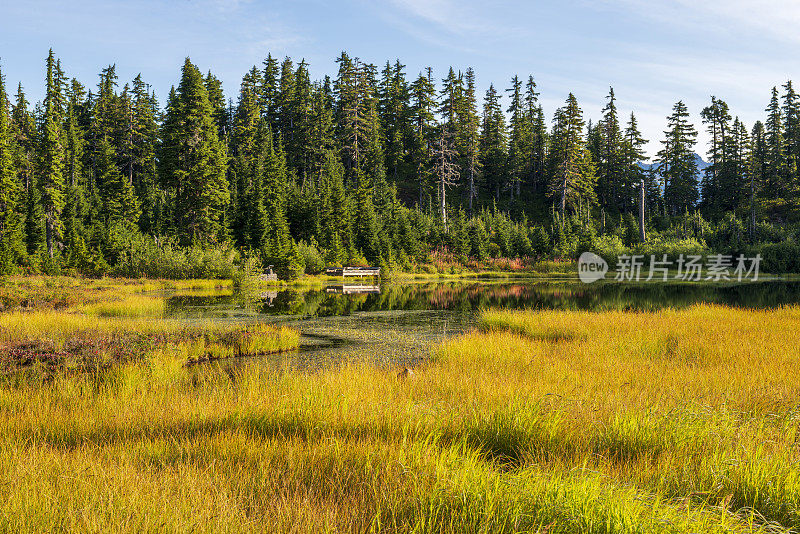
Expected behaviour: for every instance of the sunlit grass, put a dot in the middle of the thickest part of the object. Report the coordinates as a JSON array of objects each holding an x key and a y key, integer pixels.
[
  {"x": 103, "y": 296},
  {"x": 129, "y": 306},
  {"x": 676, "y": 421},
  {"x": 44, "y": 343}
]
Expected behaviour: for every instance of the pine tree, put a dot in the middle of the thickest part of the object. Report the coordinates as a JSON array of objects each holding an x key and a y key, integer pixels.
[
  {"x": 11, "y": 239},
  {"x": 143, "y": 156},
  {"x": 24, "y": 133},
  {"x": 276, "y": 243},
  {"x": 757, "y": 168},
  {"x": 120, "y": 203},
  {"x": 614, "y": 191},
  {"x": 718, "y": 178},
  {"x": 193, "y": 161},
  {"x": 51, "y": 159},
  {"x": 394, "y": 112},
  {"x": 268, "y": 92},
  {"x": 676, "y": 162},
  {"x": 321, "y": 136},
  {"x": 518, "y": 133},
  {"x": 220, "y": 110},
  {"x": 423, "y": 97},
  {"x": 536, "y": 146},
  {"x": 75, "y": 138},
  {"x": 245, "y": 151},
  {"x": 355, "y": 96},
  {"x": 449, "y": 96},
  {"x": 75, "y": 207},
  {"x": 775, "y": 173},
  {"x": 573, "y": 175},
  {"x": 285, "y": 103},
  {"x": 25, "y": 152},
  {"x": 334, "y": 210},
  {"x": 739, "y": 169},
  {"x": 493, "y": 143},
  {"x": 372, "y": 174},
  {"x": 299, "y": 150},
  {"x": 467, "y": 139},
  {"x": 331, "y": 163},
  {"x": 791, "y": 134},
  {"x": 633, "y": 155}
]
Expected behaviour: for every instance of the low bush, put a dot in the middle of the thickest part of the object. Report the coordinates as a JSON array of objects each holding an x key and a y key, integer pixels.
[{"x": 159, "y": 257}]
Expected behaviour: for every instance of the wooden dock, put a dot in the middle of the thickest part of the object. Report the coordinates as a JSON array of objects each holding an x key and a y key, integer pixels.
[
  {"x": 353, "y": 289},
  {"x": 360, "y": 272}
]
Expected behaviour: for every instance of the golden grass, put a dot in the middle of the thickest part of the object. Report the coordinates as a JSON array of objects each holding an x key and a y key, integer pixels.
[
  {"x": 129, "y": 306},
  {"x": 678, "y": 421},
  {"x": 43, "y": 343},
  {"x": 103, "y": 296}
]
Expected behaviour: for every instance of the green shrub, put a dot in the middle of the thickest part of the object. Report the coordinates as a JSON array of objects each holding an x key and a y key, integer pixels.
[
  {"x": 778, "y": 258},
  {"x": 609, "y": 247},
  {"x": 246, "y": 276},
  {"x": 312, "y": 258},
  {"x": 144, "y": 256},
  {"x": 673, "y": 248}
]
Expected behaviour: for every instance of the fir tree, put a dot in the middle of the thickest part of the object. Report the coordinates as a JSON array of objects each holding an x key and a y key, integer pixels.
[
  {"x": 194, "y": 161},
  {"x": 121, "y": 205},
  {"x": 518, "y": 134},
  {"x": 791, "y": 134},
  {"x": 573, "y": 172},
  {"x": 11, "y": 239},
  {"x": 423, "y": 98},
  {"x": 467, "y": 139},
  {"x": 394, "y": 112},
  {"x": 633, "y": 155},
  {"x": 143, "y": 155},
  {"x": 276, "y": 244},
  {"x": 614, "y": 191},
  {"x": 493, "y": 141},
  {"x": 676, "y": 162},
  {"x": 775, "y": 173},
  {"x": 717, "y": 180},
  {"x": 51, "y": 160}
]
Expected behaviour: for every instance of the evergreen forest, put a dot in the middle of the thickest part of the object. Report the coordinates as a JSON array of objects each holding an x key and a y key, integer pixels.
[{"x": 374, "y": 165}]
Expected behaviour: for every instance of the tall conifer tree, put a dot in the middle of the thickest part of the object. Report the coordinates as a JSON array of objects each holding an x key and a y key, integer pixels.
[
  {"x": 676, "y": 162},
  {"x": 193, "y": 162},
  {"x": 11, "y": 241},
  {"x": 51, "y": 159}
]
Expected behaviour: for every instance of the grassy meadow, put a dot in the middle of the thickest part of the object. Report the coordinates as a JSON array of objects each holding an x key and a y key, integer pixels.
[
  {"x": 64, "y": 325},
  {"x": 671, "y": 421}
]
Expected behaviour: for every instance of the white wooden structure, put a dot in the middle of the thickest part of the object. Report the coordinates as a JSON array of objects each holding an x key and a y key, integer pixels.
[{"x": 354, "y": 271}]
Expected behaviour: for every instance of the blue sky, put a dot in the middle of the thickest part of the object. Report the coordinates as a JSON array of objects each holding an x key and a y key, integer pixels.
[{"x": 653, "y": 52}]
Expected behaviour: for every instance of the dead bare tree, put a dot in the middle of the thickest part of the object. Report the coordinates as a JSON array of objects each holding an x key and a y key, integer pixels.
[{"x": 445, "y": 169}]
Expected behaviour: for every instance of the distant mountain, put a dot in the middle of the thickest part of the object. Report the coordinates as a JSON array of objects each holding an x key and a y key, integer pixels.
[{"x": 702, "y": 165}]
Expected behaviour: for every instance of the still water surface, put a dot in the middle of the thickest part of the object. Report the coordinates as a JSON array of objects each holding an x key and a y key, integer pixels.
[{"x": 396, "y": 323}]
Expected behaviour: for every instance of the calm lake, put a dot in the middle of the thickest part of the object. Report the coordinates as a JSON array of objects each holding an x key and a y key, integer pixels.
[{"x": 396, "y": 323}]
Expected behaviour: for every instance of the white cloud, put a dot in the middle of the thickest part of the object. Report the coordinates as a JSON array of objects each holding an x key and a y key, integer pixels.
[
  {"x": 771, "y": 19},
  {"x": 460, "y": 18}
]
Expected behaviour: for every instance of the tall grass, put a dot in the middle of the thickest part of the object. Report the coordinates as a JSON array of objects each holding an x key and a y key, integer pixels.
[
  {"x": 679, "y": 421},
  {"x": 129, "y": 306},
  {"x": 50, "y": 341}
]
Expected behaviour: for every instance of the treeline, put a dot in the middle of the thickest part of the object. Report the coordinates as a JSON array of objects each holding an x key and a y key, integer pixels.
[{"x": 368, "y": 167}]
